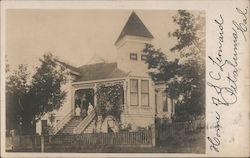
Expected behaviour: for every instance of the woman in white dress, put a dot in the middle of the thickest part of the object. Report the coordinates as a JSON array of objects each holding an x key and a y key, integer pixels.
[
  {"x": 78, "y": 112},
  {"x": 90, "y": 108}
]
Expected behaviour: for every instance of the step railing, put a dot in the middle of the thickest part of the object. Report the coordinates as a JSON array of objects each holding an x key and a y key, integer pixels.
[
  {"x": 84, "y": 123},
  {"x": 62, "y": 122}
]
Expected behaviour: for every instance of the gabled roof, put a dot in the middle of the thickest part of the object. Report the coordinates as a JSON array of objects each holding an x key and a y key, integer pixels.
[
  {"x": 68, "y": 66},
  {"x": 100, "y": 71},
  {"x": 134, "y": 27},
  {"x": 96, "y": 71}
]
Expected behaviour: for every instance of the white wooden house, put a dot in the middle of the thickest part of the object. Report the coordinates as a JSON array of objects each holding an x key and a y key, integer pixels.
[{"x": 143, "y": 99}]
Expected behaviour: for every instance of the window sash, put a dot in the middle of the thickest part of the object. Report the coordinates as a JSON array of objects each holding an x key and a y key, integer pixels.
[
  {"x": 145, "y": 99},
  {"x": 144, "y": 92},
  {"x": 134, "y": 85},
  {"x": 134, "y": 99},
  {"x": 144, "y": 86},
  {"x": 134, "y": 92}
]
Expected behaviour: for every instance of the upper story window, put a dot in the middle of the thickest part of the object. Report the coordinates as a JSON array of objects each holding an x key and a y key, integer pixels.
[
  {"x": 144, "y": 92},
  {"x": 134, "y": 92},
  {"x": 143, "y": 57},
  {"x": 133, "y": 56}
]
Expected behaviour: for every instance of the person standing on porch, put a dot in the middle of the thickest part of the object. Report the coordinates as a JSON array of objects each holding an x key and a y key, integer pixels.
[
  {"x": 90, "y": 108},
  {"x": 77, "y": 101},
  {"x": 78, "y": 112},
  {"x": 84, "y": 105}
]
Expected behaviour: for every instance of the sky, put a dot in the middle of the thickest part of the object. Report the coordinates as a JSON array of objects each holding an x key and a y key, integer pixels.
[{"x": 77, "y": 36}]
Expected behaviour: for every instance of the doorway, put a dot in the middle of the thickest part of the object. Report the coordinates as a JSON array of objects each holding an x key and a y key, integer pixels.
[{"x": 83, "y": 98}]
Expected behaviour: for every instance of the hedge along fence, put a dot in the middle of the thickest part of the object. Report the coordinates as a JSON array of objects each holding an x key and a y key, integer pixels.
[{"x": 179, "y": 128}]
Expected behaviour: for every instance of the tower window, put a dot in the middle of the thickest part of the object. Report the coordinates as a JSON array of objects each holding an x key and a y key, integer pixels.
[
  {"x": 143, "y": 57},
  {"x": 133, "y": 56}
]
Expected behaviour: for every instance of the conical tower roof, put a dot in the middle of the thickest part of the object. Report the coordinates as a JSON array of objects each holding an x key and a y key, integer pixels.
[{"x": 134, "y": 27}]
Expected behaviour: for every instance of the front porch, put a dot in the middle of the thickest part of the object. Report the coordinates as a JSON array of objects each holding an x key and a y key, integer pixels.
[{"x": 86, "y": 93}]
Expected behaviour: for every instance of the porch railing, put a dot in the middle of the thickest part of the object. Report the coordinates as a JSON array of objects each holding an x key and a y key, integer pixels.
[
  {"x": 62, "y": 122},
  {"x": 84, "y": 123}
]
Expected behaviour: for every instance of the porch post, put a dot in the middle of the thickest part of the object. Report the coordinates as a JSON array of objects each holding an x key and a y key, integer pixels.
[
  {"x": 73, "y": 100},
  {"x": 153, "y": 134},
  {"x": 125, "y": 92},
  {"x": 95, "y": 98}
]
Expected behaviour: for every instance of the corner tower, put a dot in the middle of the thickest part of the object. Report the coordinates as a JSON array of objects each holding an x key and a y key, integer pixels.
[{"x": 130, "y": 44}]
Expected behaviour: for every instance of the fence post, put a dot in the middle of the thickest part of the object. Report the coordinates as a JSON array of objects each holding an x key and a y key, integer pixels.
[
  {"x": 42, "y": 143},
  {"x": 153, "y": 135}
]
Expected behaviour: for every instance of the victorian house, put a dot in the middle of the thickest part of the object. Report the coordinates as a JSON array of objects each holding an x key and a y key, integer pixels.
[{"x": 142, "y": 100}]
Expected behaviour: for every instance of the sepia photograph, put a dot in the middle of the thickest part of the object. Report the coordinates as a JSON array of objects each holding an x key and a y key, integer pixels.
[{"x": 105, "y": 81}]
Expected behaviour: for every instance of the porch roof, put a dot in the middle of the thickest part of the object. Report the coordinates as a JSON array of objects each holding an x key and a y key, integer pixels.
[
  {"x": 100, "y": 71},
  {"x": 97, "y": 71}
]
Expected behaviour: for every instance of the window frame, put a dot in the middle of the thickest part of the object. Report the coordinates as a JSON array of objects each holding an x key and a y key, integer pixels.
[
  {"x": 133, "y": 58},
  {"x": 145, "y": 93},
  {"x": 142, "y": 57},
  {"x": 137, "y": 93},
  {"x": 166, "y": 102}
]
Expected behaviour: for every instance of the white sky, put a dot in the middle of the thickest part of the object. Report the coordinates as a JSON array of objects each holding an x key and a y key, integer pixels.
[{"x": 76, "y": 35}]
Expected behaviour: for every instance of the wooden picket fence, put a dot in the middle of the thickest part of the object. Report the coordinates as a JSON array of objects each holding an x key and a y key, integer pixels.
[
  {"x": 142, "y": 139},
  {"x": 146, "y": 138},
  {"x": 48, "y": 142},
  {"x": 23, "y": 142}
]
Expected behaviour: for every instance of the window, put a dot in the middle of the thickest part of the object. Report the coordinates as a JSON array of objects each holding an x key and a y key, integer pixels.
[
  {"x": 144, "y": 92},
  {"x": 143, "y": 57},
  {"x": 44, "y": 126},
  {"x": 133, "y": 56},
  {"x": 164, "y": 102},
  {"x": 134, "y": 92}
]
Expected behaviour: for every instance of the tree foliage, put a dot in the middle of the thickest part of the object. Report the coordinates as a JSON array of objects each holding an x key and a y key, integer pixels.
[
  {"x": 16, "y": 90},
  {"x": 28, "y": 101},
  {"x": 110, "y": 100},
  {"x": 190, "y": 34},
  {"x": 185, "y": 78},
  {"x": 47, "y": 85}
]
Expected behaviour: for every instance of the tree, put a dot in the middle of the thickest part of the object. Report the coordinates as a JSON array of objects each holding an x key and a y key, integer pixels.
[
  {"x": 190, "y": 35},
  {"x": 185, "y": 78},
  {"x": 27, "y": 102},
  {"x": 16, "y": 89},
  {"x": 46, "y": 92},
  {"x": 191, "y": 44}
]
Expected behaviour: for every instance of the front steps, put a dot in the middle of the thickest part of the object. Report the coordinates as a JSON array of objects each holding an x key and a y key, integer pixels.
[
  {"x": 90, "y": 128},
  {"x": 69, "y": 127}
]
